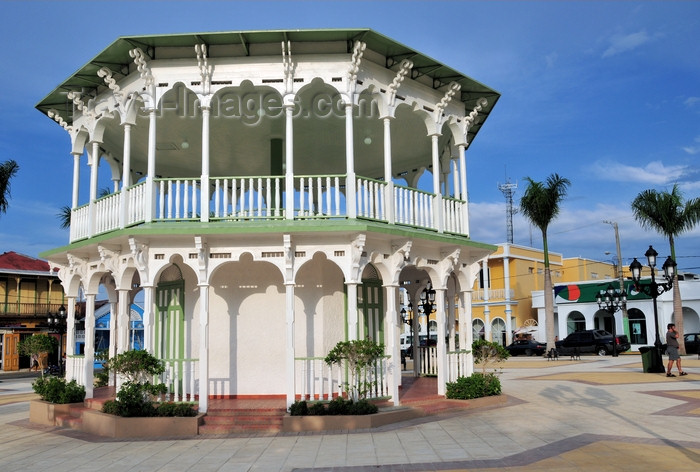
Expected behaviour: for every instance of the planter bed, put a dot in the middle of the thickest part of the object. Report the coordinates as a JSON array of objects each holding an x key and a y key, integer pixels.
[
  {"x": 102, "y": 424},
  {"x": 41, "y": 412}
]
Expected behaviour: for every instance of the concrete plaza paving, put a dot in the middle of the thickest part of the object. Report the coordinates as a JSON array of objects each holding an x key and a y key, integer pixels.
[{"x": 599, "y": 414}]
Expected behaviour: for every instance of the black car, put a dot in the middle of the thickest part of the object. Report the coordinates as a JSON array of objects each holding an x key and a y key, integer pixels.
[
  {"x": 595, "y": 341},
  {"x": 692, "y": 343},
  {"x": 527, "y": 347}
]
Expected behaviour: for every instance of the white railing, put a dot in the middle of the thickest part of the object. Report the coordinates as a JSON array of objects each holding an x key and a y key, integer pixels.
[
  {"x": 79, "y": 223},
  {"x": 107, "y": 213},
  {"x": 453, "y": 211},
  {"x": 319, "y": 196},
  {"x": 413, "y": 207},
  {"x": 136, "y": 198},
  {"x": 265, "y": 198},
  {"x": 494, "y": 294},
  {"x": 316, "y": 380},
  {"x": 457, "y": 364},
  {"x": 75, "y": 369},
  {"x": 177, "y": 199},
  {"x": 428, "y": 360},
  {"x": 247, "y": 198},
  {"x": 370, "y": 199},
  {"x": 181, "y": 377}
]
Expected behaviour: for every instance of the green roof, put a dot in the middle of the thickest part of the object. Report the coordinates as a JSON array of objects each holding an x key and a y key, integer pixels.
[{"x": 116, "y": 58}]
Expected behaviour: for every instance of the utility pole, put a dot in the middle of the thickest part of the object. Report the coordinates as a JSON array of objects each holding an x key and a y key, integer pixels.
[
  {"x": 620, "y": 277},
  {"x": 508, "y": 189}
]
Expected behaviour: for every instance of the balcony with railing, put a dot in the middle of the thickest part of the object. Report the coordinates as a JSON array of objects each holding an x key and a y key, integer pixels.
[
  {"x": 492, "y": 295},
  {"x": 266, "y": 198}
]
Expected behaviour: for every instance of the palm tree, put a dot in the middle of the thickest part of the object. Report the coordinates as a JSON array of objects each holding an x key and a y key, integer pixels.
[
  {"x": 64, "y": 213},
  {"x": 7, "y": 170},
  {"x": 667, "y": 214},
  {"x": 540, "y": 205}
]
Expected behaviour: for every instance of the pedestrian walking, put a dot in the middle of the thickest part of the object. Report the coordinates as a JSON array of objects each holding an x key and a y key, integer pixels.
[{"x": 672, "y": 350}]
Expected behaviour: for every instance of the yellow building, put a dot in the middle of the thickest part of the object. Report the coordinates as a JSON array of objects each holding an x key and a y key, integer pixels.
[{"x": 502, "y": 292}]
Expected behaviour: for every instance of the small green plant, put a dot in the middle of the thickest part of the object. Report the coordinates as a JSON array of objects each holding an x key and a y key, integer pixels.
[
  {"x": 56, "y": 390},
  {"x": 361, "y": 356},
  {"x": 317, "y": 409},
  {"x": 102, "y": 377},
  {"x": 487, "y": 353},
  {"x": 175, "y": 409},
  {"x": 38, "y": 345},
  {"x": 335, "y": 407},
  {"x": 299, "y": 408},
  {"x": 476, "y": 385},
  {"x": 136, "y": 395}
]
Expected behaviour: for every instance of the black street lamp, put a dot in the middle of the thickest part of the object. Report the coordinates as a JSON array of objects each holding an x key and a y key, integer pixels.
[
  {"x": 611, "y": 300},
  {"x": 57, "y": 324},
  {"x": 654, "y": 289}
]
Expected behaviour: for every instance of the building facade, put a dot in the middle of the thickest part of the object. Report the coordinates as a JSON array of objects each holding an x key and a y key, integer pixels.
[{"x": 266, "y": 202}]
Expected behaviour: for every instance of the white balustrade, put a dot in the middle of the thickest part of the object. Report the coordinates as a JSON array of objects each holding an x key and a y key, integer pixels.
[
  {"x": 107, "y": 213},
  {"x": 136, "y": 198},
  {"x": 79, "y": 223},
  {"x": 453, "y": 211},
  {"x": 413, "y": 207},
  {"x": 247, "y": 198},
  {"x": 428, "y": 360},
  {"x": 493, "y": 294},
  {"x": 75, "y": 368},
  {"x": 181, "y": 377},
  {"x": 176, "y": 199},
  {"x": 316, "y": 380},
  {"x": 457, "y": 362},
  {"x": 319, "y": 196},
  {"x": 370, "y": 199}
]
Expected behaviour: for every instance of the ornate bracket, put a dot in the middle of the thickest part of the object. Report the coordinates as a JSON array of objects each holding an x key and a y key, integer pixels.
[
  {"x": 202, "y": 253},
  {"x": 288, "y": 258},
  {"x": 288, "y": 66},
  {"x": 142, "y": 65},
  {"x": 356, "y": 252},
  {"x": 109, "y": 257},
  {"x": 106, "y": 74},
  {"x": 446, "y": 99},
  {"x": 139, "y": 251},
  {"x": 77, "y": 101},
  {"x": 357, "y": 52},
  {"x": 205, "y": 69},
  {"x": 471, "y": 119},
  {"x": 404, "y": 69},
  {"x": 53, "y": 114}
]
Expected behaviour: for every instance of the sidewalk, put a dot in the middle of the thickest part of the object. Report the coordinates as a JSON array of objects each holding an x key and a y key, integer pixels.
[{"x": 599, "y": 414}]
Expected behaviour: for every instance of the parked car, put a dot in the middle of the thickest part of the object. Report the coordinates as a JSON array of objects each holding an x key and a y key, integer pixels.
[
  {"x": 692, "y": 343},
  {"x": 528, "y": 347},
  {"x": 595, "y": 341}
]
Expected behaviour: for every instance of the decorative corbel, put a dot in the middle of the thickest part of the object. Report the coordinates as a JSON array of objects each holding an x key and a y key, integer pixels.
[
  {"x": 471, "y": 119},
  {"x": 288, "y": 67},
  {"x": 53, "y": 114},
  {"x": 356, "y": 252},
  {"x": 399, "y": 259},
  {"x": 448, "y": 263},
  {"x": 357, "y": 52},
  {"x": 202, "y": 257},
  {"x": 288, "y": 258},
  {"x": 139, "y": 251},
  {"x": 404, "y": 69},
  {"x": 109, "y": 257},
  {"x": 453, "y": 88},
  {"x": 205, "y": 69},
  {"x": 106, "y": 74},
  {"x": 142, "y": 65}
]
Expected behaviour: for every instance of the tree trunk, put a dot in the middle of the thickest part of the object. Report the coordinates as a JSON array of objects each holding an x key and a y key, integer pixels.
[
  {"x": 549, "y": 308},
  {"x": 678, "y": 314}
]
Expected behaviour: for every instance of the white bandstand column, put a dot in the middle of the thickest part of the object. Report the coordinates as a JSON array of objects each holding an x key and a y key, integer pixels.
[
  {"x": 94, "y": 166},
  {"x": 289, "y": 163},
  {"x": 70, "y": 339},
  {"x": 203, "y": 347},
  {"x": 148, "y": 317},
  {"x": 466, "y": 313},
  {"x": 351, "y": 184},
  {"x": 89, "y": 365},
  {"x": 352, "y": 310},
  {"x": 76, "y": 180},
  {"x": 126, "y": 178},
  {"x": 151, "y": 171},
  {"x": 463, "y": 187},
  {"x": 389, "y": 188},
  {"x": 289, "y": 342},
  {"x": 441, "y": 347},
  {"x": 123, "y": 321},
  {"x": 437, "y": 199},
  {"x": 204, "y": 183},
  {"x": 391, "y": 322}
]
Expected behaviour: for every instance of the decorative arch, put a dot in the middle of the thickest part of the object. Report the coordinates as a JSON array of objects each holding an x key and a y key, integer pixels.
[
  {"x": 575, "y": 321},
  {"x": 637, "y": 323}
]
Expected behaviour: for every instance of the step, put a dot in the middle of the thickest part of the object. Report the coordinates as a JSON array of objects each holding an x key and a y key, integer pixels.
[
  {"x": 69, "y": 421},
  {"x": 237, "y": 429},
  {"x": 243, "y": 420}
]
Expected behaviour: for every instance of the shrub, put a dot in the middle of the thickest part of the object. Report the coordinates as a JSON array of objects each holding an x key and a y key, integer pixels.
[
  {"x": 359, "y": 355},
  {"x": 486, "y": 353},
  {"x": 317, "y": 409},
  {"x": 338, "y": 406},
  {"x": 57, "y": 390},
  {"x": 475, "y": 386},
  {"x": 135, "y": 397},
  {"x": 175, "y": 409},
  {"x": 37, "y": 345},
  {"x": 299, "y": 408},
  {"x": 362, "y": 407}
]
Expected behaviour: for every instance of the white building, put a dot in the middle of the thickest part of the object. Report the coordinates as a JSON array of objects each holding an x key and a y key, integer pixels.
[{"x": 265, "y": 199}]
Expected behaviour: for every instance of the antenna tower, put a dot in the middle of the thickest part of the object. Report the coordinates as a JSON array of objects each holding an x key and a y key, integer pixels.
[{"x": 508, "y": 189}]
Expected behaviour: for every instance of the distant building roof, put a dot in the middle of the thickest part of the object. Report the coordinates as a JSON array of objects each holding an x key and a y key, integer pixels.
[{"x": 13, "y": 262}]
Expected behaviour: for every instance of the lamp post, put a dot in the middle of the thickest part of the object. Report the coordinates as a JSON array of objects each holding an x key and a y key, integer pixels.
[
  {"x": 654, "y": 289},
  {"x": 57, "y": 324},
  {"x": 611, "y": 300}
]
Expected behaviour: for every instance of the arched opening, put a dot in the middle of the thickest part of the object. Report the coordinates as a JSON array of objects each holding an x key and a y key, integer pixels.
[
  {"x": 575, "y": 322},
  {"x": 637, "y": 323},
  {"x": 498, "y": 331},
  {"x": 478, "y": 329}
]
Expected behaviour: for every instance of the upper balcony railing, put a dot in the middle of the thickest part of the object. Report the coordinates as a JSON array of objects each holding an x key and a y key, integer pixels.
[
  {"x": 264, "y": 198},
  {"x": 494, "y": 294}
]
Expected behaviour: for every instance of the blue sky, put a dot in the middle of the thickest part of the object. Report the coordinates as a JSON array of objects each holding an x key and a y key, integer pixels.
[{"x": 606, "y": 94}]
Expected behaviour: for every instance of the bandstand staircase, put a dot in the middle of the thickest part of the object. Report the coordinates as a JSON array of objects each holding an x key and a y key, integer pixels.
[{"x": 243, "y": 416}]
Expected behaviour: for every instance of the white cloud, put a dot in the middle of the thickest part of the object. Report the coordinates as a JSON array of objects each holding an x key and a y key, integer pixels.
[
  {"x": 623, "y": 43},
  {"x": 692, "y": 101},
  {"x": 653, "y": 173},
  {"x": 692, "y": 150}
]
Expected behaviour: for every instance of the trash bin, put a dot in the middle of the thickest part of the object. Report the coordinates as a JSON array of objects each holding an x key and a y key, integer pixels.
[{"x": 651, "y": 360}]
